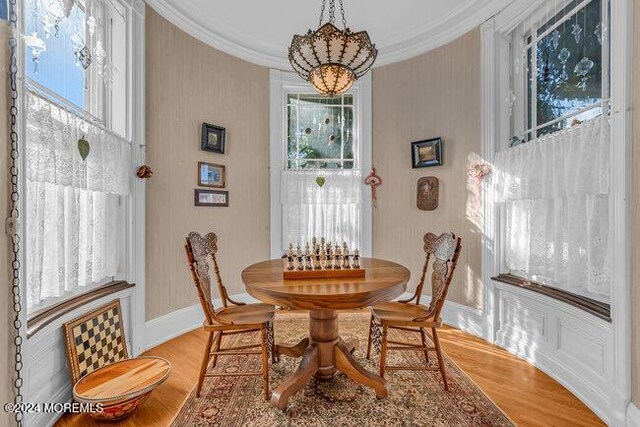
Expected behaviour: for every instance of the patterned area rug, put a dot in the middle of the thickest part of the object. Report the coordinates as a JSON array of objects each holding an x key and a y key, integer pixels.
[{"x": 415, "y": 397}]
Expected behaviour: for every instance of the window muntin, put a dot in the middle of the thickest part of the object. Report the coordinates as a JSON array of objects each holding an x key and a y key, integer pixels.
[
  {"x": 320, "y": 132},
  {"x": 560, "y": 68}
]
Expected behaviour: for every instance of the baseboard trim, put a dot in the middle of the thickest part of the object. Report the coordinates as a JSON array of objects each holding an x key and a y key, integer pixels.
[
  {"x": 172, "y": 325},
  {"x": 460, "y": 316},
  {"x": 633, "y": 415},
  {"x": 179, "y": 322}
]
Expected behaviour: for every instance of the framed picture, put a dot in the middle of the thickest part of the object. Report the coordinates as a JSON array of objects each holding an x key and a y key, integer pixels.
[
  {"x": 212, "y": 138},
  {"x": 426, "y": 153},
  {"x": 211, "y": 175},
  {"x": 211, "y": 198},
  {"x": 427, "y": 194}
]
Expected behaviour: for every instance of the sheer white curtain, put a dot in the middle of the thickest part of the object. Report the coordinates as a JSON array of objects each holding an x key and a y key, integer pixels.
[
  {"x": 555, "y": 192},
  {"x": 75, "y": 208},
  {"x": 330, "y": 210}
]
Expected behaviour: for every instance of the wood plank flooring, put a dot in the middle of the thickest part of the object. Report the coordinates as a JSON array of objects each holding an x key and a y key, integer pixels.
[{"x": 527, "y": 395}]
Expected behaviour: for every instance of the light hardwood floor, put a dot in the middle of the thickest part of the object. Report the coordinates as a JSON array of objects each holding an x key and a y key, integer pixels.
[{"x": 527, "y": 395}]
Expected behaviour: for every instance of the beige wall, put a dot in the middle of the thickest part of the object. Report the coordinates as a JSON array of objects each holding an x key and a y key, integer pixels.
[
  {"x": 434, "y": 94},
  {"x": 6, "y": 352},
  {"x": 635, "y": 269},
  {"x": 189, "y": 82}
]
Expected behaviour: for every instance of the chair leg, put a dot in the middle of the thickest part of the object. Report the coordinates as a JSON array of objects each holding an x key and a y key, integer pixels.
[
  {"x": 383, "y": 350},
  {"x": 216, "y": 347},
  {"x": 440, "y": 359},
  {"x": 274, "y": 355},
  {"x": 265, "y": 363},
  {"x": 369, "y": 341},
  {"x": 205, "y": 363},
  {"x": 423, "y": 334}
]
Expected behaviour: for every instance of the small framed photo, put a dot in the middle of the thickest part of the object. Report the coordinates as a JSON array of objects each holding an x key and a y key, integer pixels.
[
  {"x": 211, "y": 175},
  {"x": 426, "y": 153},
  {"x": 211, "y": 198},
  {"x": 212, "y": 138}
]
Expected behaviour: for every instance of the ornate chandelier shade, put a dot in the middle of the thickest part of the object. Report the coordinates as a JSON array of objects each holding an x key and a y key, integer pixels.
[{"x": 329, "y": 58}]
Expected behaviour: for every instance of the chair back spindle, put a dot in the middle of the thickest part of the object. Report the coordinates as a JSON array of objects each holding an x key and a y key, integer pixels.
[
  {"x": 444, "y": 250},
  {"x": 201, "y": 253}
]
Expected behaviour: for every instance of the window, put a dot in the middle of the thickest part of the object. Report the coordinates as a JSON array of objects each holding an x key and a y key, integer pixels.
[
  {"x": 76, "y": 52},
  {"x": 78, "y": 156},
  {"x": 560, "y": 68},
  {"x": 553, "y": 191},
  {"x": 320, "y": 132},
  {"x": 321, "y": 191}
]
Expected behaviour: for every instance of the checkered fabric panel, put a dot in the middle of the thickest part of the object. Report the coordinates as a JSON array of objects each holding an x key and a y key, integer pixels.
[{"x": 99, "y": 341}]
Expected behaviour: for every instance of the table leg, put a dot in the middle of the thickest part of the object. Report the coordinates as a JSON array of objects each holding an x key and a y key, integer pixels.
[
  {"x": 351, "y": 344},
  {"x": 308, "y": 366},
  {"x": 324, "y": 355},
  {"x": 293, "y": 350},
  {"x": 348, "y": 365}
]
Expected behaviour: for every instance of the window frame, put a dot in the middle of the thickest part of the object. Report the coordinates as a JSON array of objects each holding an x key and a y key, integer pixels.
[
  {"x": 514, "y": 124},
  {"x": 131, "y": 104},
  {"x": 280, "y": 84},
  {"x": 355, "y": 134},
  {"x": 518, "y": 119}
]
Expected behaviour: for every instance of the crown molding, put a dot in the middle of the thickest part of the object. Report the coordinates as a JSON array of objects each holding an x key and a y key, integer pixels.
[{"x": 444, "y": 30}]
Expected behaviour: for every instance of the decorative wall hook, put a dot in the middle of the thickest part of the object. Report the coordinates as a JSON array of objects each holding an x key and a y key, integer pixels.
[
  {"x": 144, "y": 172},
  {"x": 373, "y": 180}
]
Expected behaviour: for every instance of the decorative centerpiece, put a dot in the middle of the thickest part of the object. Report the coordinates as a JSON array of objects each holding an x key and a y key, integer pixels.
[{"x": 321, "y": 259}]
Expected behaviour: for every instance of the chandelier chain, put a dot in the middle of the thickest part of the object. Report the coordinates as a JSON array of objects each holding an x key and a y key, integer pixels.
[
  {"x": 344, "y": 19},
  {"x": 332, "y": 13},
  {"x": 14, "y": 215},
  {"x": 324, "y": 3}
]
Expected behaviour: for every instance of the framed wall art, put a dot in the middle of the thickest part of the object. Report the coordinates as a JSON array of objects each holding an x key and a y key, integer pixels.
[
  {"x": 211, "y": 198},
  {"x": 427, "y": 193},
  {"x": 213, "y": 138},
  {"x": 211, "y": 175},
  {"x": 426, "y": 153}
]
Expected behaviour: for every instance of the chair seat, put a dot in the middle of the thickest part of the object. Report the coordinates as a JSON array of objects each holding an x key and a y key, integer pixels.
[
  {"x": 249, "y": 314},
  {"x": 398, "y": 312}
]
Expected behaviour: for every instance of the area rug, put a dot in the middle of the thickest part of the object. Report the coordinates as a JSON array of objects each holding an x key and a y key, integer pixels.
[{"x": 415, "y": 397}]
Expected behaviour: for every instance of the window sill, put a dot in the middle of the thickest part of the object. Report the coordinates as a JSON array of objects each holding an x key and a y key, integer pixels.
[
  {"x": 42, "y": 318},
  {"x": 596, "y": 308}
]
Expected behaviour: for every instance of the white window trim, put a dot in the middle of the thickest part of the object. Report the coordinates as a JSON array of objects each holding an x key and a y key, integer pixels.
[
  {"x": 286, "y": 82},
  {"x": 520, "y": 87},
  {"x": 134, "y": 268},
  {"x": 495, "y": 133}
]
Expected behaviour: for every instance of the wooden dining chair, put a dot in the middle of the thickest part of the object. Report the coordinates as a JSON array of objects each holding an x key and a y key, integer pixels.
[
  {"x": 405, "y": 316},
  {"x": 231, "y": 319}
]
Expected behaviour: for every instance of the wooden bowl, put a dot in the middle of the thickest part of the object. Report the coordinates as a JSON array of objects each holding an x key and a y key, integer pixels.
[{"x": 120, "y": 388}]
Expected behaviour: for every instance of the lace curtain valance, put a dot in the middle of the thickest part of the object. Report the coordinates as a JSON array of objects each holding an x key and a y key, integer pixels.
[
  {"x": 322, "y": 203},
  {"x": 53, "y": 156},
  {"x": 555, "y": 193},
  {"x": 321, "y": 187},
  {"x": 76, "y": 209}
]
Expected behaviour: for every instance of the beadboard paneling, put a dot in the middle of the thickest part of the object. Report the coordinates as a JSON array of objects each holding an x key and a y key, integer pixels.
[
  {"x": 434, "y": 94},
  {"x": 189, "y": 82}
]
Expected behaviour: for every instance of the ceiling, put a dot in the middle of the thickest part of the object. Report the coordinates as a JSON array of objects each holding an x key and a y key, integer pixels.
[{"x": 260, "y": 30}]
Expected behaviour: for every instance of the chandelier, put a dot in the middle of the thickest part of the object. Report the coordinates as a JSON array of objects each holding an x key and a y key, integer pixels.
[{"x": 329, "y": 58}]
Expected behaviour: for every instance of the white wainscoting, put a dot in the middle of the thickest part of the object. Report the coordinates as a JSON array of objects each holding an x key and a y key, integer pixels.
[
  {"x": 568, "y": 344},
  {"x": 633, "y": 415},
  {"x": 46, "y": 373}
]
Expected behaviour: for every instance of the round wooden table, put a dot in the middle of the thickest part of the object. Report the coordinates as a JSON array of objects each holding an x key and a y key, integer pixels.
[{"x": 324, "y": 352}]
